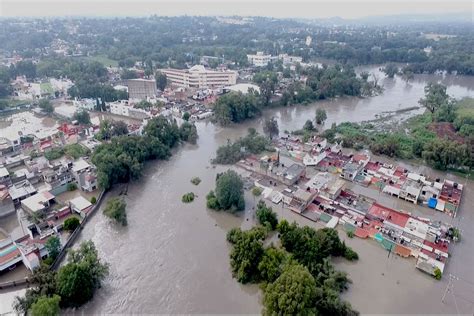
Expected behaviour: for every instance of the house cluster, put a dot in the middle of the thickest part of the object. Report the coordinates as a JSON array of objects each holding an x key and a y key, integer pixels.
[
  {"x": 310, "y": 179},
  {"x": 441, "y": 195},
  {"x": 35, "y": 189}
]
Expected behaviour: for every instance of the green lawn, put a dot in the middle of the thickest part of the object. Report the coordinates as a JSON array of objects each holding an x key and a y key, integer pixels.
[
  {"x": 104, "y": 60},
  {"x": 46, "y": 87},
  {"x": 466, "y": 107}
]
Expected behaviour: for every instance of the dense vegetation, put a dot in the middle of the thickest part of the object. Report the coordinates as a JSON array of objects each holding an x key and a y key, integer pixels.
[
  {"x": 71, "y": 223},
  {"x": 297, "y": 278},
  {"x": 228, "y": 194},
  {"x": 236, "y": 107},
  {"x": 174, "y": 41},
  {"x": 74, "y": 283},
  {"x": 231, "y": 153},
  {"x": 121, "y": 159},
  {"x": 441, "y": 136}
]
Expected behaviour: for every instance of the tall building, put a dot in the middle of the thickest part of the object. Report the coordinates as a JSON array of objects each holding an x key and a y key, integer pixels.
[
  {"x": 141, "y": 89},
  {"x": 260, "y": 59},
  {"x": 308, "y": 40},
  {"x": 199, "y": 77}
]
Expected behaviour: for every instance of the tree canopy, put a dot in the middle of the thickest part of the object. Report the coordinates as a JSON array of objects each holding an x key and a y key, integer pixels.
[
  {"x": 270, "y": 127},
  {"x": 230, "y": 191},
  {"x": 46, "y": 306},
  {"x": 292, "y": 293},
  {"x": 116, "y": 210}
]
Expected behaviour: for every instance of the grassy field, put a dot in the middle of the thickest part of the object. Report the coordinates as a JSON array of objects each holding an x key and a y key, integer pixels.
[
  {"x": 466, "y": 108},
  {"x": 46, "y": 87},
  {"x": 104, "y": 60}
]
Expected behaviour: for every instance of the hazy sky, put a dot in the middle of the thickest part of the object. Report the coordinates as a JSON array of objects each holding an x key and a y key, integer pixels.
[{"x": 288, "y": 8}]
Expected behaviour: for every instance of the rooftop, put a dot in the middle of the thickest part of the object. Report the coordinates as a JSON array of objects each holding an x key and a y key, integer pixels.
[
  {"x": 80, "y": 203},
  {"x": 37, "y": 202},
  {"x": 79, "y": 165}
]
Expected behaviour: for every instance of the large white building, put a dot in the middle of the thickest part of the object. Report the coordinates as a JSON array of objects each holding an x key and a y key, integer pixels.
[
  {"x": 260, "y": 59},
  {"x": 124, "y": 109},
  {"x": 199, "y": 77}
]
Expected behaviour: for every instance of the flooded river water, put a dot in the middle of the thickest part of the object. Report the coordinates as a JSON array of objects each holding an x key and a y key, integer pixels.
[{"x": 173, "y": 257}]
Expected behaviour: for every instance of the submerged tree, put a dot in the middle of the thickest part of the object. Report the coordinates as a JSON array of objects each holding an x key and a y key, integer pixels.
[
  {"x": 116, "y": 210},
  {"x": 390, "y": 70},
  {"x": 270, "y": 127},
  {"x": 321, "y": 116}
]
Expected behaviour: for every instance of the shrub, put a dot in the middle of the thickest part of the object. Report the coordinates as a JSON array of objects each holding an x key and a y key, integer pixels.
[
  {"x": 54, "y": 153},
  {"x": 350, "y": 234},
  {"x": 71, "y": 223},
  {"x": 188, "y": 197},
  {"x": 196, "y": 180},
  {"x": 71, "y": 186},
  {"x": 256, "y": 191},
  {"x": 350, "y": 254},
  {"x": 93, "y": 200},
  {"x": 437, "y": 274},
  {"x": 266, "y": 216}
]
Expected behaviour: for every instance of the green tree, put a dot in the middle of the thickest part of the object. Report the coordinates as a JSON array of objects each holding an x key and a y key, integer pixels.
[
  {"x": 188, "y": 132},
  {"x": 235, "y": 107},
  {"x": 435, "y": 97},
  {"x": 291, "y": 294},
  {"x": 246, "y": 253},
  {"x": 82, "y": 117},
  {"x": 161, "y": 80},
  {"x": 71, "y": 186},
  {"x": 321, "y": 116},
  {"x": 53, "y": 246},
  {"x": 46, "y": 106},
  {"x": 273, "y": 261},
  {"x": 43, "y": 283},
  {"x": 266, "y": 216},
  {"x": 230, "y": 191},
  {"x": 270, "y": 127},
  {"x": 71, "y": 223},
  {"x": 390, "y": 70},
  {"x": 116, "y": 210},
  {"x": 308, "y": 126},
  {"x": 77, "y": 281},
  {"x": 186, "y": 116},
  {"x": 407, "y": 74},
  {"x": 46, "y": 306}
]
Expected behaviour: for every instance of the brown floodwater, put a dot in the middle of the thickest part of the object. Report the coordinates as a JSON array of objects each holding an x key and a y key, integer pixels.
[{"x": 174, "y": 258}]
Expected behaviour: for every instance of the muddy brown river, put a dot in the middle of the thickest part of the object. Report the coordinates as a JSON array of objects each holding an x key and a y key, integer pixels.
[{"x": 173, "y": 257}]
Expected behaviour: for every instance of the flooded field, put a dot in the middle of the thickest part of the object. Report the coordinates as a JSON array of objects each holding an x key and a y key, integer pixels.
[
  {"x": 24, "y": 123},
  {"x": 173, "y": 257}
]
